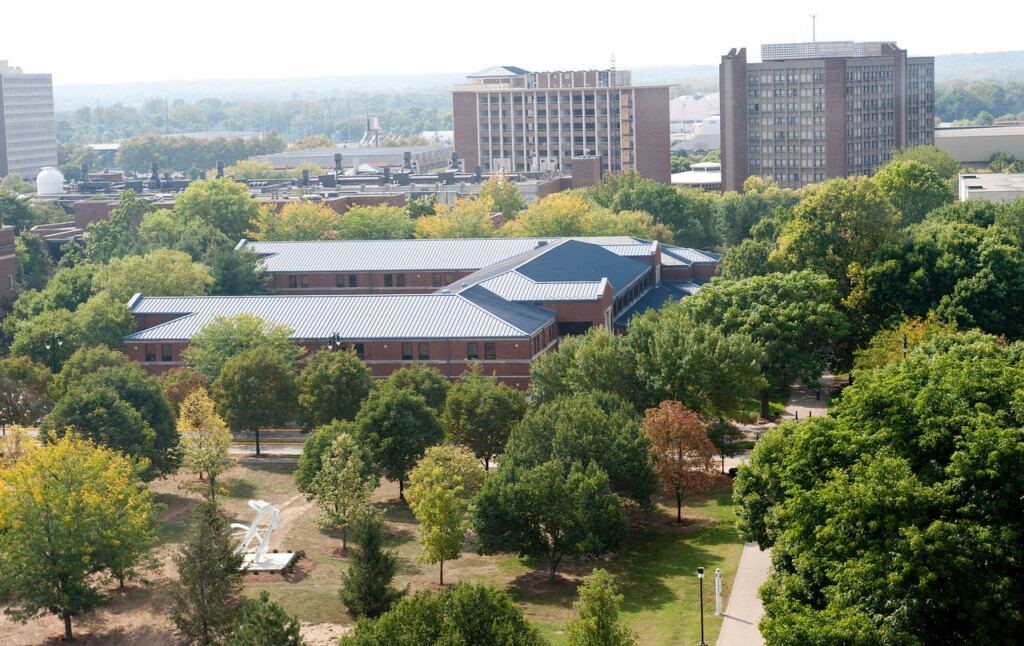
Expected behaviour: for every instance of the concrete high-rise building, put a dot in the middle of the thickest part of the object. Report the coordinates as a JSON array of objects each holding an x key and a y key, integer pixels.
[
  {"x": 28, "y": 129},
  {"x": 509, "y": 119},
  {"x": 811, "y": 111}
]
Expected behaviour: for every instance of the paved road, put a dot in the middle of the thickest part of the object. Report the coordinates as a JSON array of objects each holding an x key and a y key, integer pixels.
[{"x": 739, "y": 623}]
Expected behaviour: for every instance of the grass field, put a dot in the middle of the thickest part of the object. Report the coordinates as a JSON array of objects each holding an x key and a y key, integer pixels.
[{"x": 655, "y": 569}]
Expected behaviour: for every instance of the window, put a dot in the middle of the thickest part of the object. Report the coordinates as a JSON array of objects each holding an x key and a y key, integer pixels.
[
  {"x": 424, "y": 352},
  {"x": 388, "y": 279},
  {"x": 449, "y": 278},
  {"x": 293, "y": 282},
  {"x": 10, "y": 282},
  {"x": 489, "y": 352},
  {"x": 472, "y": 350},
  {"x": 437, "y": 280},
  {"x": 304, "y": 281},
  {"x": 150, "y": 352},
  {"x": 406, "y": 352},
  {"x": 358, "y": 347},
  {"x": 339, "y": 280},
  {"x": 352, "y": 282},
  {"x": 401, "y": 280},
  {"x": 165, "y": 352}
]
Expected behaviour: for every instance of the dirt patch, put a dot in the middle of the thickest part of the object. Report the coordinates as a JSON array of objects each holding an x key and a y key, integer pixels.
[{"x": 323, "y": 634}]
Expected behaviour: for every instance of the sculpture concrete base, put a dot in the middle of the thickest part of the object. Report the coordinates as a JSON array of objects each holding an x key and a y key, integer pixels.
[{"x": 271, "y": 562}]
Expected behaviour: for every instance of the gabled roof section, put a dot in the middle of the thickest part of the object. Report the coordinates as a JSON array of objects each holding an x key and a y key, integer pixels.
[
  {"x": 412, "y": 316},
  {"x": 499, "y": 70},
  {"x": 564, "y": 270}
]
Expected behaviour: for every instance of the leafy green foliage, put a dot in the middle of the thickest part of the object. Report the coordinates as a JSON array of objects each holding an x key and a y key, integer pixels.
[
  {"x": 594, "y": 428},
  {"x": 118, "y": 236},
  {"x": 205, "y": 440},
  {"x": 332, "y": 387},
  {"x": 226, "y": 337},
  {"x": 681, "y": 359},
  {"x": 343, "y": 485},
  {"x": 206, "y": 595},
  {"x": 304, "y": 220},
  {"x": 34, "y": 262},
  {"x": 314, "y": 449},
  {"x": 440, "y": 488},
  {"x": 256, "y": 389},
  {"x": 72, "y": 515},
  {"x": 479, "y": 413},
  {"x": 366, "y": 588},
  {"x": 914, "y": 189},
  {"x": 791, "y": 317},
  {"x": 547, "y": 513},
  {"x": 470, "y": 615},
  {"x": 375, "y": 223},
  {"x": 223, "y": 204},
  {"x": 426, "y": 382},
  {"x": 504, "y": 195},
  {"x": 597, "y": 615},
  {"x": 908, "y": 485},
  {"x": 395, "y": 426}
]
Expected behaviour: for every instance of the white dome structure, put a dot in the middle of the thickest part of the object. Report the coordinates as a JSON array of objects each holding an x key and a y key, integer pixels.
[{"x": 50, "y": 181}]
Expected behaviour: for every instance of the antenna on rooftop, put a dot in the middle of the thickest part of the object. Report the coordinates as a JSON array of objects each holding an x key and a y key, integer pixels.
[{"x": 814, "y": 37}]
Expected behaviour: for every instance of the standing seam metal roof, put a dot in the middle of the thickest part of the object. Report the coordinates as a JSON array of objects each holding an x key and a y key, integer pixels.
[
  {"x": 466, "y": 254},
  {"x": 413, "y": 316}
]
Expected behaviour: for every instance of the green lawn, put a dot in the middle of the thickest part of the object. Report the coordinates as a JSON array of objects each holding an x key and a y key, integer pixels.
[
  {"x": 655, "y": 569},
  {"x": 777, "y": 398}
]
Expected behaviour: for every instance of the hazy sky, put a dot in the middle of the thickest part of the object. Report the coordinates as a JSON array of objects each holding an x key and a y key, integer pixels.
[{"x": 117, "y": 41}]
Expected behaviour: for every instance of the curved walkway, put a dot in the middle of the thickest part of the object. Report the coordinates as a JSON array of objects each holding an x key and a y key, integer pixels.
[{"x": 739, "y": 623}]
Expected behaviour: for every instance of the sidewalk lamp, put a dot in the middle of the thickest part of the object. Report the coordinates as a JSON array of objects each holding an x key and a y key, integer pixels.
[
  {"x": 334, "y": 342},
  {"x": 700, "y": 579},
  {"x": 904, "y": 346},
  {"x": 51, "y": 343}
]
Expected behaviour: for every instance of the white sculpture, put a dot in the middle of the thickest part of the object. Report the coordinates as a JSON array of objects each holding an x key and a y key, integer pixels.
[{"x": 254, "y": 544}]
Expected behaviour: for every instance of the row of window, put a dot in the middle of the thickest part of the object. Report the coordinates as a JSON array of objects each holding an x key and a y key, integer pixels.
[
  {"x": 165, "y": 352},
  {"x": 472, "y": 351}
]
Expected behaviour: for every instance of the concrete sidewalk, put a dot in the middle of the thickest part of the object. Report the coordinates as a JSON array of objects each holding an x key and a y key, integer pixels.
[{"x": 739, "y": 623}]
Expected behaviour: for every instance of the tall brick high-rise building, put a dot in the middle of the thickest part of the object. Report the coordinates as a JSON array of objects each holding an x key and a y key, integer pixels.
[
  {"x": 28, "y": 129},
  {"x": 509, "y": 119},
  {"x": 811, "y": 111}
]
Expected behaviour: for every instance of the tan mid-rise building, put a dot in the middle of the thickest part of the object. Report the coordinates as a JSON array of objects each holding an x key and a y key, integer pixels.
[{"x": 507, "y": 119}]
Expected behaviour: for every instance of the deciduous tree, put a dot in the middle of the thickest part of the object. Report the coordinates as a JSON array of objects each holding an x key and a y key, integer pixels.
[
  {"x": 225, "y": 337},
  {"x": 597, "y": 620},
  {"x": 395, "y": 426},
  {"x": 684, "y": 453},
  {"x": 441, "y": 486},
  {"x": 469, "y": 615},
  {"x": 332, "y": 386},
  {"x": 256, "y": 388},
  {"x": 205, "y": 439},
  {"x": 480, "y": 412},
  {"x": 375, "y": 223},
  {"x": 546, "y": 513},
  {"x": 303, "y": 220},
  {"x": 343, "y": 485},
  {"x": 70, "y": 511}
]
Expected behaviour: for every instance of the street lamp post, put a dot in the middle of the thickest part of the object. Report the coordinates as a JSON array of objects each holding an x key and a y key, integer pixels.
[
  {"x": 904, "y": 346},
  {"x": 700, "y": 578},
  {"x": 334, "y": 342},
  {"x": 52, "y": 342}
]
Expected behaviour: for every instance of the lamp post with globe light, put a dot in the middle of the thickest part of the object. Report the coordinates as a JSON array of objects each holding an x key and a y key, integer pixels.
[
  {"x": 700, "y": 578},
  {"x": 51, "y": 343}
]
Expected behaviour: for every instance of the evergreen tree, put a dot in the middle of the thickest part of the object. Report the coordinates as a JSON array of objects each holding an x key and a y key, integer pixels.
[
  {"x": 366, "y": 588},
  {"x": 210, "y": 578},
  {"x": 265, "y": 623}
]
